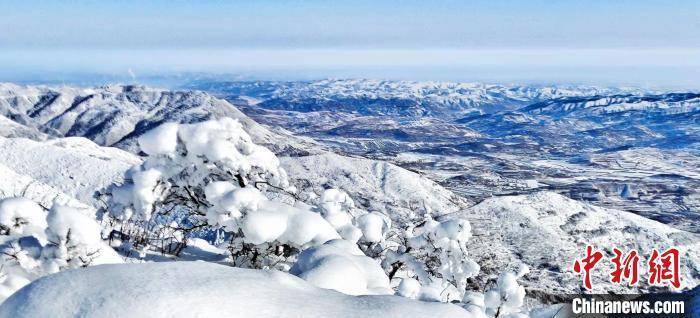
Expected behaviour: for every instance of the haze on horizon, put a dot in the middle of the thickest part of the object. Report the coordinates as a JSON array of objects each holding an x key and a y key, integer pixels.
[{"x": 649, "y": 43}]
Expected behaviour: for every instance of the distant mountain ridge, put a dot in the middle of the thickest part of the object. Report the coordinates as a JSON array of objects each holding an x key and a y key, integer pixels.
[{"x": 398, "y": 98}]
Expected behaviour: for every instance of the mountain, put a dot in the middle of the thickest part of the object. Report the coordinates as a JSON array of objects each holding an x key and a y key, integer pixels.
[
  {"x": 600, "y": 105},
  {"x": 541, "y": 229},
  {"x": 483, "y": 140},
  {"x": 116, "y": 115},
  {"x": 394, "y": 98}
]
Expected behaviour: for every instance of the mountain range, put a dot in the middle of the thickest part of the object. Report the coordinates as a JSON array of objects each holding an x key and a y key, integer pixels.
[{"x": 488, "y": 155}]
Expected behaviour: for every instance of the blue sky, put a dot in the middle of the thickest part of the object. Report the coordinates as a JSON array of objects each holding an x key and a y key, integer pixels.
[{"x": 345, "y": 36}]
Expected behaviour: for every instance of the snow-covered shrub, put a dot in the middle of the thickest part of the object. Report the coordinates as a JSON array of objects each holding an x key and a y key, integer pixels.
[
  {"x": 352, "y": 224},
  {"x": 74, "y": 240},
  {"x": 35, "y": 243},
  {"x": 409, "y": 288},
  {"x": 341, "y": 265},
  {"x": 20, "y": 216},
  {"x": 435, "y": 254},
  {"x": 430, "y": 257},
  {"x": 506, "y": 299},
  {"x": 210, "y": 179}
]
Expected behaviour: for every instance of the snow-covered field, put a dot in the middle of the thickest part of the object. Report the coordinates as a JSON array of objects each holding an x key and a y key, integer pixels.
[{"x": 154, "y": 178}]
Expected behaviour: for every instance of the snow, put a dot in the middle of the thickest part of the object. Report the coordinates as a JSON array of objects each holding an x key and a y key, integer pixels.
[
  {"x": 117, "y": 115},
  {"x": 74, "y": 166},
  {"x": 267, "y": 221},
  {"x": 373, "y": 185},
  {"x": 354, "y": 199},
  {"x": 547, "y": 231},
  {"x": 19, "y": 185},
  {"x": 34, "y": 243},
  {"x": 507, "y": 298},
  {"x": 409, "y": 288},
  {"x": 12, "y": 129},
  {"x": 65, "y": 222},
  {"x": 443, "y": 244},
  {"x": 21, "y": 216},
  {"x": 144, "y": 197},
  {"x": 199, "y": 289},
  {"x": 373, "y": 226},
  {"x": 160, "y": 140},
  {"x": 341, "y": 265}
]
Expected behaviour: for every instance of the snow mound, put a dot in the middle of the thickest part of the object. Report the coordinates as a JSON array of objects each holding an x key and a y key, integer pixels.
[
  {"x": 548, "y": 232},
  {"x": 199, "y": 289},
  {"x": 74, "y": 166},
  {"x": 340, "y": 265}
]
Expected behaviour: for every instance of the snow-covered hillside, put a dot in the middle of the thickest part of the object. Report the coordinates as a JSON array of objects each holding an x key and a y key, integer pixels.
[
  {"x": 200, "y": 289},
  {"x": 19, "y": 185},
  {"x": 74, "y": 166},
  {"x": 547, "y": 232},
  {"x": 374, "y": 185}
]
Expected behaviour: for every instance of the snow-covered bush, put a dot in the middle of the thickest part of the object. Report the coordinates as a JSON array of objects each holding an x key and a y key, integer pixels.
[
  {"x": 341, "y": 265},
  {"x": 433, "y": 254},
  {"x": 352, "y": 224},
  {"x": 35, "y": 243},
  {"x": 505, "y": 299},
  {"x": 430, "y": 257},
  {"x": 210, "y": 179}
]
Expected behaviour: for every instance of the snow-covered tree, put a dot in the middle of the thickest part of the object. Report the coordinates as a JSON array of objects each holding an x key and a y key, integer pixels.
[
  {"x": 210, "y": 179},
  {"x": 35, "y": 243}
]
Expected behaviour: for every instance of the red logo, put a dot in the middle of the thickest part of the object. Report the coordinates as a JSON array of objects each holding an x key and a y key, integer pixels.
[{"x": 663, "y": 268}]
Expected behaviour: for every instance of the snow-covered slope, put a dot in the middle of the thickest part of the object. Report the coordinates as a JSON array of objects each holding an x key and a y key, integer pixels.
[
  {"x": 374, "y": 185},
  {"x": 601, "y": 105},
  {"x": 10, "y": 129},
  {"x": 548, "y": 232},
  {"x": 116, "y": 115},
  {"x": 199, "y": 289},
  {"x": 74, "y": 166},
  {"x": 13, "y": 184}
]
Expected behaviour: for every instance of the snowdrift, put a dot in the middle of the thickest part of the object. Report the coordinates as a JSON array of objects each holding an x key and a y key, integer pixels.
[{"x": 199, "y": 289}]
